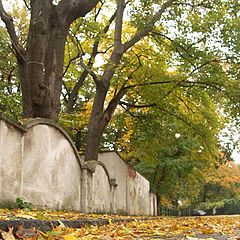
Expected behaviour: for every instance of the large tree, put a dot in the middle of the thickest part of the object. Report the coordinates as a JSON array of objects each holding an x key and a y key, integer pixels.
[
  {"x": 137, "y": 53},
  {"x": 40, "y": 61},
  {"x": 117, "y": 32}
]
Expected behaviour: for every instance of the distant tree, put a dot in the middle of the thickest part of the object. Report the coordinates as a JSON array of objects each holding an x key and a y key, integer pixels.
[{"x": 222, "y": 183}]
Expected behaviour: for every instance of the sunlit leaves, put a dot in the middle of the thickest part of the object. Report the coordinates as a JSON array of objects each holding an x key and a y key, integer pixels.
[
  {"x": 190, "y": 228},
  {"x": 10, "y": 97},
  {"x": 223, "y": 182}
]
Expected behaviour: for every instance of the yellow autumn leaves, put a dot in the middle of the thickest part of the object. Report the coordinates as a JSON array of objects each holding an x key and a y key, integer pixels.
[
  {"x": 189, "y": 228},
  {"x": 178, "y": 228}
]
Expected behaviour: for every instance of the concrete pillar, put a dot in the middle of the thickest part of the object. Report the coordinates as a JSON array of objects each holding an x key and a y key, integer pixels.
[
  {"x": 11, "y": 155},
  {"x": 113, "y": 195},
  {"x": 84, "y": 191}
]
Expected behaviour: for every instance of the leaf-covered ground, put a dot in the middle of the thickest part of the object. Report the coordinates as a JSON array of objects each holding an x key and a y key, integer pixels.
[{"x": 189, "y": 228}]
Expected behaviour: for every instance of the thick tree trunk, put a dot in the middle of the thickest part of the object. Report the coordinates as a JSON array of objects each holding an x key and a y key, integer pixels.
[
  {"x": 41, "y": 63},
  {"x": 93, "y": 139},
  {"x": 97, "y": 123},
  {"x": 26, "y": 98},
  {"x": 99, "y": 119},
  {"x": 45, "y": 56}
]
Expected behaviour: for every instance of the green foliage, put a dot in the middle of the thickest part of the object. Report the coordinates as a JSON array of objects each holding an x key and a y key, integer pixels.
[
  {"x": 22, "y": 204},
  {"x": 211, "y": 205},
  {"x": 10, "y": 96},
  {"x": 186, "y": 69}
]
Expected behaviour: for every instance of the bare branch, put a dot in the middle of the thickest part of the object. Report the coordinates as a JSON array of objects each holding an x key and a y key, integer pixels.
[
  {"x": 86, "y": 67},
  {"x": 105, "y": 30},
  {"x": 98, "y": 11},
  {"x": 186, "y": 105},
  {"x": 128, "y": 111},
  {"x": 7, "y": 19},
  {"x": 150, "y": 83},
  {"x": 67, "y": 90}
]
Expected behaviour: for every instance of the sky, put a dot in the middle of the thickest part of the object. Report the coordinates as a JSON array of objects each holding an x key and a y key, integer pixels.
[{"x": 236, "y": 156}]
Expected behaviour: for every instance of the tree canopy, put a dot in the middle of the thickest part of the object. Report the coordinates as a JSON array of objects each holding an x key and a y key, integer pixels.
[{"x": 156, "y": 80}]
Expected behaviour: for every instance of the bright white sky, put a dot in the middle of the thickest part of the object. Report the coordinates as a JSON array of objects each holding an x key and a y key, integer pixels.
[{"x": 236, "y": 156}]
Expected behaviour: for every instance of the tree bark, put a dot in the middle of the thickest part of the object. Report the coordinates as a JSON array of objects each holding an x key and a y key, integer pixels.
[
  {"x": 39, "y": 60},
  {"x": 99, "y": 118},
  {"x": 97, "y": 123},
  {"x": 26, "y": 98},
  {"x": 41, "y": 63}
]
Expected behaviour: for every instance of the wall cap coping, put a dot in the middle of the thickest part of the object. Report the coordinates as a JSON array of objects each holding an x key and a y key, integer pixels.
[
  {"x": 124, "y": 160},
  {"x": 31, "y": 122},
  {"x": 13, "y": 122},
  {"x": 91, "y": 165}
]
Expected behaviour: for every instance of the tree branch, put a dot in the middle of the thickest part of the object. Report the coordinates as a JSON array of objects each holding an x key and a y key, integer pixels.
[
  {"x": 98, "y": 11},
  {"x": 182, "y": 83},
  {"x": 89, "y": 70},
  {"x": 203, "y": 65},
  {"x": 178, "y": 117},
  {"x": 73, "y": 95},
  {"x": 27, "y": 6},
  {"x": 132, "y": 105},
  {"x": 177, "y": 46},
  {"x": 118, "y": 26},
  {"x": 7, "y": 19},
  {"x": 86, "y": 67},
  {"x": 186, "y": 105},
  {"x": 148, "y": 27},
  {"x": 113, "y": 105},
  {"x": 72, "y": 9},
  {"x": 118, "y": 46},
  {"x": 69, "y": 63},
  {"x": 128, "y": 111}
]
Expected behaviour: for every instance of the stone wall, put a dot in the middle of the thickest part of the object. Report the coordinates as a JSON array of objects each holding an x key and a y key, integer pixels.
[
  {"x": 39, "y": 161},
  {"x": 50, "y": 168},
  {"x": 11, "y": 155}
]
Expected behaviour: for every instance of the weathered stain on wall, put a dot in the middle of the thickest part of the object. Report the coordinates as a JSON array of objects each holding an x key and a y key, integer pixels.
[
  {"x": 11, "y": 154},
  {"x": 50, "y": 168},
  {"x": 131, "y": 172},
  {"x": 40, "y": 162},
  {"x": 101, "y": 191}
]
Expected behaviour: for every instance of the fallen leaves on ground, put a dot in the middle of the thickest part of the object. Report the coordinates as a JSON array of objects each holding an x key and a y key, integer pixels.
[
  {"x": 14, "y": 214},
  {"x": 191, "y": 228},
  {"x": 177, "y": 228}
]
